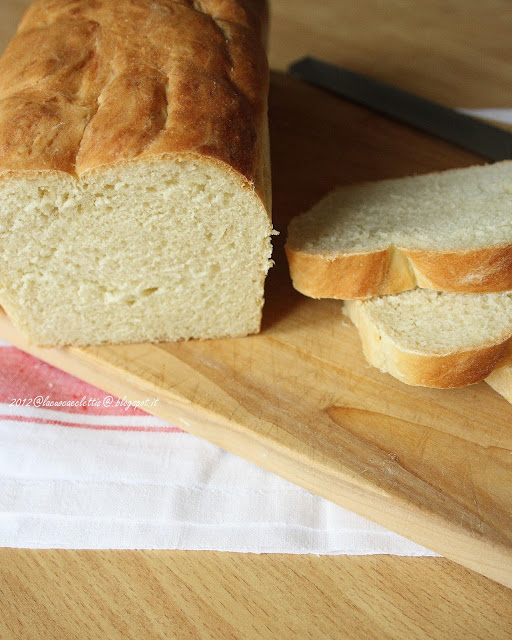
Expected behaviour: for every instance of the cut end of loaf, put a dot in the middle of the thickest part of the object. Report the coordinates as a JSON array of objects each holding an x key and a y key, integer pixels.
[{"x": 163, "y": 251}]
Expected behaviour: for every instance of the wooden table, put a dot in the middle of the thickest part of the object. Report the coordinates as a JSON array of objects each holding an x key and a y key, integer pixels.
[{"x": 457, "y": 52}]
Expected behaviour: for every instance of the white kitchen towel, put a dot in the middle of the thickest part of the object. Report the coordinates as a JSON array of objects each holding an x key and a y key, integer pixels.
[
  {"x": 498, "y": 115},
  {"x": 82, "y": 470}
]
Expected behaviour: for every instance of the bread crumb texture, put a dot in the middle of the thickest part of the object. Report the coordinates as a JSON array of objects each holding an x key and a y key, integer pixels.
[
  {"x": 456, "y": 210},
  {"x": 132, "y": 171},
  {"x": 432, "y": 322}
]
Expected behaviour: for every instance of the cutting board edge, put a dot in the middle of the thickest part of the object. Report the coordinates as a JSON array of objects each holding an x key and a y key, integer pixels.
[{"x": 426, "y": 528}]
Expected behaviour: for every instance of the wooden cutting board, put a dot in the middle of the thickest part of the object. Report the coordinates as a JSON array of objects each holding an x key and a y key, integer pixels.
[{"x": 299, "y": 399}]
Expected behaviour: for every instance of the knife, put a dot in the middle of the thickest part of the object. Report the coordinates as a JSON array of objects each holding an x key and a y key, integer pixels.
[{"x": 472, "y": 134}]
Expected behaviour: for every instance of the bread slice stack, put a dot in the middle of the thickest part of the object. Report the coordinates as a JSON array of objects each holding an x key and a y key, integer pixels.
[{"x": 424, "y": 265}]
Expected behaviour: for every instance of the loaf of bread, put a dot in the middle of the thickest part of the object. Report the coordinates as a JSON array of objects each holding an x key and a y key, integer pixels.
[
  {"x": 448, "y": 231},
  {"x": 134, "y": 170},
  {"x": 435, "y": 339}
]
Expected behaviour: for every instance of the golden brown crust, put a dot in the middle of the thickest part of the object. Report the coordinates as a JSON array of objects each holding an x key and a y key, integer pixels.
[
  {"x": 447, "y": 371},
  {"x": 441, "y": 371},
  {"x": 88, "y": 83},
  {"x": 477, "y": 271},
  {"x": 349, "y": 276},
  {"x": 353, "y": 276}
]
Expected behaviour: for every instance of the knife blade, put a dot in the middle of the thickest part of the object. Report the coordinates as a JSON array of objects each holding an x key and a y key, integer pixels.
[{"x": 492, "y": 143}]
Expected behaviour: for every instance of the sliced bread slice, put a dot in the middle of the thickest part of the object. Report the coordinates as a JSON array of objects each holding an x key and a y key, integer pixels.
[
  {"x": 501, "y": 380},
  {"x": 435, "y": 339},
  {"x": 450, "y": 231}
]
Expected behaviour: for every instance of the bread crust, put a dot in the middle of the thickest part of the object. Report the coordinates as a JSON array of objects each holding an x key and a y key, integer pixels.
[
  {"x": 359, "y": 276},
  {"x": 441, "y": 370},
  {"x": 92, "y": 83}
]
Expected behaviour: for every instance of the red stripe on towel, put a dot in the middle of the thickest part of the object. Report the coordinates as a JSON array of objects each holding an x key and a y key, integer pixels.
[
  {"x": 23, "y": 376},
  {"x": 96, "y": 427}
]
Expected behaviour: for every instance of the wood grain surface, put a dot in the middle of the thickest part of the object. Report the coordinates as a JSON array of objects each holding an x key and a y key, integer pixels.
[
  {"x": 457, "y": 52},
  {"x": 225, "y": 596}
]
